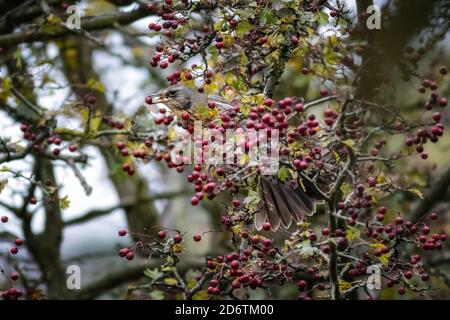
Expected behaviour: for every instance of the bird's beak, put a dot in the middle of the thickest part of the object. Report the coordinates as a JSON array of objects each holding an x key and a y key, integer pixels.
[{"x": 159, "y": 98}]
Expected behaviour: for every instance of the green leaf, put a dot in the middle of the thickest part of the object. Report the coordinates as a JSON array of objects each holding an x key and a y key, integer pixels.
[
  {"x": 252, "y": 200},
  {"x": 243, "y": 27},
  {"x": 323, "y": 18},
  {"x": 157, "y": 295},
  {"x": 306, "y": 250},
  {"x": 18, "y": 57},
  {"x": 283, "y": 174},
  {"x": 266, "y": 18},
  {"x": 153, "y": 274}
]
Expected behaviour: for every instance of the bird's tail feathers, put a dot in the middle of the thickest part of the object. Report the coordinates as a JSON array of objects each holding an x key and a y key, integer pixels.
[{"x": 281, "y": 204}]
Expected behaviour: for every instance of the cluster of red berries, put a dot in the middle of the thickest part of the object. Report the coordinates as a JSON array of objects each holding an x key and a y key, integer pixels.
[
  {"x": 423, "y": 135},
  {"x": 11, "y": 294},
  {"x": 115, "y": 124},
  {"x": 31, "y": 133}
]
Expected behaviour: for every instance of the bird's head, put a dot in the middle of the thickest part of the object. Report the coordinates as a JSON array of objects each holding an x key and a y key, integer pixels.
[{"x": 179, "y": 97}]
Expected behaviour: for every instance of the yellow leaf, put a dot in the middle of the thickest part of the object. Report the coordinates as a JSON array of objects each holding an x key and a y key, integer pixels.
[
  {"x": 95, "y": 85},
  {"x": 417, "y": 192},
  {"x": 377, "y": 245},
  {"x": 381, "y": 179},
  {"x": 346, "y": 188},
  {"x": 95, "y": 123},
  {"x": 170, "y": 281},
  {"x": 3, "y": 184},
  {"x": 5, "y": 89},
  {"x": 344, "y": 285},
  {"x": 200, "y": 295},
  {"x": 96, "y": 119},
  {"x": 336, "y": 155},
  {"x": 349, "y": 142},
  {"x": 352, "y": 233},
  {"x": 384, "y": 259},
  {"x": 177, "y": 248},
  {"x": 237, "y": 229},
  {"x": 64, "y": 202}
]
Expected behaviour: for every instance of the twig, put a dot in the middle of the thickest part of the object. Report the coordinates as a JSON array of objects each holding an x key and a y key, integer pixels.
[{"x": 87, "y": 188}]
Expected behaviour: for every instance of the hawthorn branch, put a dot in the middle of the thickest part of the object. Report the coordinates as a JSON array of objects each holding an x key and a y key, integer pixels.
[
  {"x": 87, "y": 188},
  {"x": 330, "y": 208},
  {"x": 28, "y": 149},
  {"x": 123, "y": 205},
  {"x": 87, "y": 24}
]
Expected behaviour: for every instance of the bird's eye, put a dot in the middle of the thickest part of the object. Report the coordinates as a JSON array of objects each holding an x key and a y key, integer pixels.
[{"x": 171, "y": 93}]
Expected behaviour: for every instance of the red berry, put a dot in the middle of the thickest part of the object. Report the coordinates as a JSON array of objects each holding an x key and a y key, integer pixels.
[
  {"x": 254, "y": 239},
  {"x": 214, "y": 283},
  {"x": 333, "y": 13},
  {"x": 14, "y": 276},
  {"x": 234, "y": 264},
  {"x": 130, "y": 255},
  {"x": 195, "y": 200},
  {"x": 14, "y": 250},
  {"x": 236, "y": 202},
  {"x": 56, "y": 152},
  {"x": 233, "y": 23},
  {"x": 162, "y": 234},
  {"x": 294, "y": 41},
  {"x": 325, "y": 231},
  {"x": 267, "y": 226},
  {"x": 72, "y": 147},
  {"x": 4, "y": 219},
  {"x": 433, "y": 216},
  {"x": 123, "y": 252},
  {"x": 408, "y": 274},
  {"x": 185, "y": 115},
  {"x": 18, "y": 242},
  {"x": 163, "y": 64},
  {"x": 398, "y": 220},
  {"x": 425, "y": 229},
  {"x": 197, "y": 238},
  {"x": 122, "y": 233},
  {"x": 33, "y": 200},
  {"x": 178, "y": 238}
]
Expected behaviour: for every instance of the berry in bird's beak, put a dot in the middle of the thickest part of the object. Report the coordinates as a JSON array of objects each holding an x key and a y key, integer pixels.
[{"x": 158, "y": 98}]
